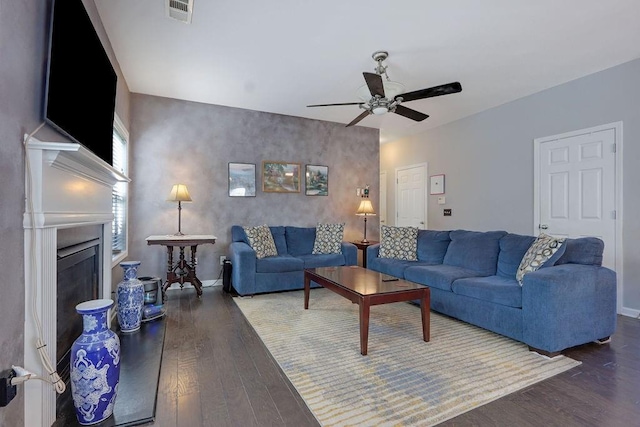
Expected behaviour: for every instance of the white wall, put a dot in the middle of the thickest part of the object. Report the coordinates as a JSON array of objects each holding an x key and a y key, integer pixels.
[{"x": 488, "y": 158}]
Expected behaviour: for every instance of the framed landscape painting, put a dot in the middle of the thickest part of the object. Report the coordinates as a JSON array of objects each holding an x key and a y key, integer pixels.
[
  {"x": 242, "y": 180},
  {"x": 280, "y": 177},
  {"x": 316, "y": 180}
]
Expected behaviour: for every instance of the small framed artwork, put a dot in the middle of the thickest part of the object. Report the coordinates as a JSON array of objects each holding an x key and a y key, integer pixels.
[
  {"x": 436, "y": 184},
  {"x": 242, "y": 180},
  {"x": 280, "y": 177},
  {"x": 316, "y": 180}
]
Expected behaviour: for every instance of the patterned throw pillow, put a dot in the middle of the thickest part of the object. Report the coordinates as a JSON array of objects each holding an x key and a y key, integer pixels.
[
  {"x": 540, "y": 251},
  {"x": 261, "y": 240},
  {"x": 328, "y": 239},
  {"x": 399, "y": 243}
]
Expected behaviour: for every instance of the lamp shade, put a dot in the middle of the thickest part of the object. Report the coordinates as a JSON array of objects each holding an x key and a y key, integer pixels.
[
  {"x": 365, "y": 208},
  {"x": 179, "y": 193}
]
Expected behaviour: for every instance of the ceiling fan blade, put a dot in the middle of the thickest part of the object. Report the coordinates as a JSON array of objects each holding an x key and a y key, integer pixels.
[
  {"x": 331, "y": 105},
  {"x": 374, "y": 83},
  {"x": 410, "y": 114},
  {"x": 360, "y": 117},
  {"x": 447, "y": 89}
]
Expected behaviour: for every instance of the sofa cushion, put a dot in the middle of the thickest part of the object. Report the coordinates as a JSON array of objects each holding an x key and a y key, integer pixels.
[
  {"x": 261, "y": 241},
  {"x": 398, "y": 243},
  {"x": 474, "y": 250},
  {"x": 493, "y": 289},
  {"x": 300, "y": 240},
  {"x": 432, "y": 245},
  {"x": 328, "y": 239},
  {"x": 279, "y": 239},
  {"x": 584, "y": 250},
  {"x": 393, "y": 267},
  {"x": 279, "y": 264},
  {"x": 512, "y": 250},
  {"x": 541, "y": 251},
  {"x": 322, "y": 260},
  {"x": 238, "y": 234},
  {"x": 437, "y": 276}
]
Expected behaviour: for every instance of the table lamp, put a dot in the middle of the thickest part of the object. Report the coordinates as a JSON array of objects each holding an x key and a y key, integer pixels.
[
  {"x": 365, "y": 208},
  {"x": 179, "y": 193}
]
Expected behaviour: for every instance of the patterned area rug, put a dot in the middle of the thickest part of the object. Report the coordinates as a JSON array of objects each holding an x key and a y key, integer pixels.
[{"x": 403, "y": 381}]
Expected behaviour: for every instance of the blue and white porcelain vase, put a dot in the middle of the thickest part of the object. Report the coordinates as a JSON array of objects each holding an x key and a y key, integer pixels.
[
  {"x": 95, "y": 364},
  {"x": 130, "y": 296}
]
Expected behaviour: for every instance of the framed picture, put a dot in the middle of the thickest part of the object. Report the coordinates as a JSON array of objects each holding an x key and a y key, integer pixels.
[
  {"x": 242, "y": 180},
  {"x": 280, "y": 177},
  {"x": 316, "y": 179},
  {"x": 436, "y": 184}
]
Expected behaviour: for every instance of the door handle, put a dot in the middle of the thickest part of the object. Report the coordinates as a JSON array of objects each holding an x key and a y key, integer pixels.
[
  {"x": 422, "y": 222},
  {"x": 543, "y": 226}
]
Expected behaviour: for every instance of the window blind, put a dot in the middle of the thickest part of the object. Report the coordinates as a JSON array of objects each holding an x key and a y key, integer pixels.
[{"x": 119, "y": 195}]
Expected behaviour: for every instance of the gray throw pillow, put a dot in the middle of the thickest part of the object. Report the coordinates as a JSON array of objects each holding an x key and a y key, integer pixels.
[
  {"x": 261, "y": 241},
  {"x": 328, "y": 239},
  {"x": 398, "y": 243}
]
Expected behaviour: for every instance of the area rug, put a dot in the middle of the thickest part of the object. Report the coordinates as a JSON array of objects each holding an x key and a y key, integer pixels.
[{"x": 403, "y": 381}]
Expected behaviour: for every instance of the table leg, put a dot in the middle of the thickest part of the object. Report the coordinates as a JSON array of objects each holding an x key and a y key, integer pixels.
[
  {"x": 307, "y": 288},
  {"x": 426, "y": 321},
  {"x": 195, "y": 282},
  {"x": 169, "y": 272},
  {"x": 365, "y": 304}
]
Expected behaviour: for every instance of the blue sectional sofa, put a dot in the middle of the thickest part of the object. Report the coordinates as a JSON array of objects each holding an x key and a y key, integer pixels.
[
  {"x": 472, "y": 276},
  {"x": 250, "y": 275}
]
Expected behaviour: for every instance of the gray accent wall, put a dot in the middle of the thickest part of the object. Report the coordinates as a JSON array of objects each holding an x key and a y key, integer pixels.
[
  {"x": 488, "y": 161},
  {"x": 191, "y": 143}
]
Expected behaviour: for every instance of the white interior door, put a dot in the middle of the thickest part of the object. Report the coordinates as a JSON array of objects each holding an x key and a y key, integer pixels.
[
  {"x": 411, "y": 208},
  {"x": 577, "y": 191},
  {"x": 383, "y": 198}
]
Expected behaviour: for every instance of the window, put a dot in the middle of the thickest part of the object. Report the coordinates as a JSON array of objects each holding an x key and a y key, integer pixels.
[{"x": 119, "y": 198}]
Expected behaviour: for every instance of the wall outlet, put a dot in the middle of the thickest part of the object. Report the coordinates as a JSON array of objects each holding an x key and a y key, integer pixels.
[{"x": 222, "y": 259}]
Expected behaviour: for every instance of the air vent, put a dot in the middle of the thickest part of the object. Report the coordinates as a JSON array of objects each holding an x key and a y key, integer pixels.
[{"x": 180, "y": 10}]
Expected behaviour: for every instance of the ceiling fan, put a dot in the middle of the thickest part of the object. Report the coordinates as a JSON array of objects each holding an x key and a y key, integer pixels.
[{"x": 385, "y": 96}]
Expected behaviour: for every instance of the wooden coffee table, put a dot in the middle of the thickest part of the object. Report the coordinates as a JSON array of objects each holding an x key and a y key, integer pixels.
[{"x": 367, "y": 288}]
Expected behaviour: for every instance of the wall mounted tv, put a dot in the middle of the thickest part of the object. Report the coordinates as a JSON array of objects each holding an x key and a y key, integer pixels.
[{"x": 81, "y": 83}]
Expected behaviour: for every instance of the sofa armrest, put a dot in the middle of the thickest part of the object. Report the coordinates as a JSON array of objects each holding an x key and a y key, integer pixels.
[
  {"x": 568, "y": 305},
  {"x": 243, "y": 268},
  {"x": 350, "y": 252},
  {"x": 372, "y": 253}
]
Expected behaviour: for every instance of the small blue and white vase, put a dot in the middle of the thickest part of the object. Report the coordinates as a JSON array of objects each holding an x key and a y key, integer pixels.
[
  {"x": 95, "y": 364},
  {"x": 130, "y": 296}
]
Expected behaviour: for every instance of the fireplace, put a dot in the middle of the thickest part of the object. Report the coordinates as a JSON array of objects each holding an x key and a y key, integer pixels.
[
  {"x": 68, "y": 188},
  {"x": 78, "y": 279}
]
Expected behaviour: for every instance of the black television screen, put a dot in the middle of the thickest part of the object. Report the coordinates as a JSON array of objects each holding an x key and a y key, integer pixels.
[{"x": 81, "y": 83}]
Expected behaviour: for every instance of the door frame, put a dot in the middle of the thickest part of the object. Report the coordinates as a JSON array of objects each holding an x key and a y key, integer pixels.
[
  {"x": 383, "y": 199},
  {"x": 426, "y": 192},
  {"x": 617, "y": 127}
]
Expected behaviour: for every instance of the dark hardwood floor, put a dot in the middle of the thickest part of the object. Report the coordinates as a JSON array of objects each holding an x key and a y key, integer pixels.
[{"x": 216, "y": 372}]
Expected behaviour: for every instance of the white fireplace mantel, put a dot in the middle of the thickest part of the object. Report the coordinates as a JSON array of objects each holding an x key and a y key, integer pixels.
[{"x": 66, "y": 186}]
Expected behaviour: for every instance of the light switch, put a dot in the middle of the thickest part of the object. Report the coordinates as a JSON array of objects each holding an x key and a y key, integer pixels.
[
  {"x": 441, "y": 200},
  {"x": 447, "y": 212}
]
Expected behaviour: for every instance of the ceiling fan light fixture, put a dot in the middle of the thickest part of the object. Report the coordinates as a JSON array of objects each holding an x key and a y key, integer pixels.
[{"x": 379, "y": 110}]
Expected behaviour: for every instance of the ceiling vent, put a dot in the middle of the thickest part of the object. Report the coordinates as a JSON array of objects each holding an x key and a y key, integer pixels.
[{"x": 179, "y": 9}]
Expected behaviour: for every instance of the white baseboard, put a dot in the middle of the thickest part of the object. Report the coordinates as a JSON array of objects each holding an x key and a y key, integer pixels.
[
  {"x": 630, "y": 312},
  {"x": 205, "y": 284}
]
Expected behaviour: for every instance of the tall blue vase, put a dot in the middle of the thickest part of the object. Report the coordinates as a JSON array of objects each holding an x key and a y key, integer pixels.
[
  {"x": 95, "y": 364},
  {"x": 130, "y": 296}
]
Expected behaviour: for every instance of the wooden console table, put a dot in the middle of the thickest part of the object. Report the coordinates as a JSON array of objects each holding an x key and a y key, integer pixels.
[{"x": 182, "y": 271}]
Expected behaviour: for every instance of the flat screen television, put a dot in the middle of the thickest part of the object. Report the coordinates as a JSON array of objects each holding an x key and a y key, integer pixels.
[{"x": 81, "y": 82}]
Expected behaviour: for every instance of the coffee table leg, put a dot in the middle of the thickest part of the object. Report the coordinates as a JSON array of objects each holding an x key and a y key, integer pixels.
[
  {"x": 307, "y": 287},
  {"x": 426, "y": 321},
  {"x": 365, "y": 304}
]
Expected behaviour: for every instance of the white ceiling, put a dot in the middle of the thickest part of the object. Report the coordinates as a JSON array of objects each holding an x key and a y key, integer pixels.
[{"x": 279, "y": 56}]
